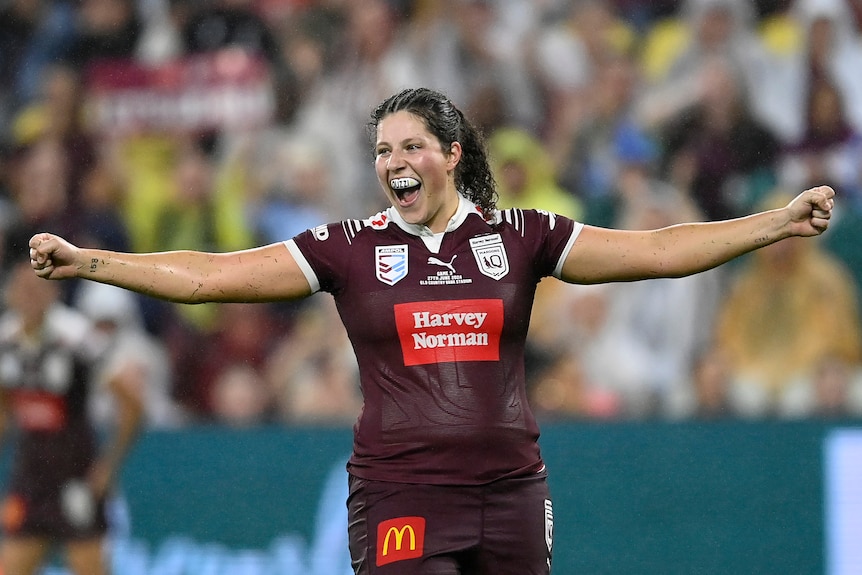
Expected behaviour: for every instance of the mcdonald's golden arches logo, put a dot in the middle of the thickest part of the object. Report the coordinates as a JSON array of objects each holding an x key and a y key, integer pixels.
[{"x": 399, "y": 539}]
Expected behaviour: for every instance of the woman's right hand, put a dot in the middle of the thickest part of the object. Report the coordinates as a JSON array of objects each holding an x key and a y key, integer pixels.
[{"x": 52, "y": 257}]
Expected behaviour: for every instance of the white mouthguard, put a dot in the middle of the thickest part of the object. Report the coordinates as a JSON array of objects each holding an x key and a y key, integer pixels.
[{"x": 403, "y": 183}]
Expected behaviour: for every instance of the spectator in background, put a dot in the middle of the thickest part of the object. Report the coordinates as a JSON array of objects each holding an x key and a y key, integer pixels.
[
  {"x": 833, "y": 391},
  {"x": 762, "y": 330},
  {"x": 239, "y": 397},
  {"x": 372, "y": 61},
  {"x": 161, "y": 21},
  {"x": 102, "y": 193},
  {"x": 105, "y": 29},
  {"x": 525, "y": 174},
  {"x": 710, "y": 389},
  {"x": 684, "y": 308},
  {"x": 40, "y": 191},
  {"x": 315, "y": 383},
  {"x": 223, "y": 25},
  {"x": 829, "y": 147},
  {"x": 58, "y": 114},
  {"x": 626, "y": 350},
  {"x": 589, "y": 158},
  {"x": 205, "y": 210},
  {"x": 61, "y": 475},
  {"x": 645, "y": 14},
  {"x": 131, "y": 355},
  {"x": 290, "y": 189},
  {"x": 206, "y": 207},
  {"x": 561, "y": 380},
  {"x": 829, "y": 51},
  {"x": 7, "y": 205},
  {"x": 716, "y": 149},
  {"x": 648, "y": 342},
  {"x": 705, "y": 30},
  {"x": 309, "y": 45},
  {"x": 581, "y": 68},
  {"x": 209, "y": 365},
  {"x": 219, "y": 24},
  {"x": 33, "y": 35},
  {"x": 478, "y": 52}
]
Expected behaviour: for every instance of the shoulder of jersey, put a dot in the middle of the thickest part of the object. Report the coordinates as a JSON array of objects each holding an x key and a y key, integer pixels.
[
  {"x": 519, "y": 218},
  {"x": 351, "y": 228},
  {"x": 515, "y": 217}
]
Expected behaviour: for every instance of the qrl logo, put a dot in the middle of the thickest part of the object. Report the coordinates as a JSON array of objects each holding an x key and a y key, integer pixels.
[
  {"x": 490, "y": 255},
  {"x": 399, "y": 539}
]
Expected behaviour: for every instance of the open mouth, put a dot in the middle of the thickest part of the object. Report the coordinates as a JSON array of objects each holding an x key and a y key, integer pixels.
[{"x": 406, "y": 189}]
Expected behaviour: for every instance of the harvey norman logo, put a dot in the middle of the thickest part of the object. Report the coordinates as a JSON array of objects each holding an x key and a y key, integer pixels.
[
  {"x": 447, "y": 331},
  {"x": 399, "y": 539}
]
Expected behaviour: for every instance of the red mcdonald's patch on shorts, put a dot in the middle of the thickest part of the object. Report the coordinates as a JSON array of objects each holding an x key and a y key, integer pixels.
[{"x": 399, "y": 539}]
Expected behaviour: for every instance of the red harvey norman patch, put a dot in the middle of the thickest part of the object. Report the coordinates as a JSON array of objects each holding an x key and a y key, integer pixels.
[
  {"x": 399, "y": 539},
  {"x": 446, "y": 331}
]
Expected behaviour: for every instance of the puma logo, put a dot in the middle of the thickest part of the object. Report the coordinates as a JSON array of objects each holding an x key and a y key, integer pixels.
[{"x": 448, "y": 265}]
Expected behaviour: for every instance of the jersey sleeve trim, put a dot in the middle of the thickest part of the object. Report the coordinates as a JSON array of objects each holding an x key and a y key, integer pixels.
[
  {"x": 576, "y": 231},
  {"x": 303, "y": 264}
]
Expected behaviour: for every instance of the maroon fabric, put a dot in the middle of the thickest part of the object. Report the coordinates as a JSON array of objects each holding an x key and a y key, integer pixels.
[
  {"x": 439, "y": 338},
  {"x": 504, "y": 528}
]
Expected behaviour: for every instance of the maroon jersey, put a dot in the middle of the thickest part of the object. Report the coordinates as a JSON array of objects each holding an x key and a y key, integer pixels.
[{"x": 438, "y": 323}]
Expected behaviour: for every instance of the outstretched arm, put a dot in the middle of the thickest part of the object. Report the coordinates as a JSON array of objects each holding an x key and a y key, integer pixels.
[
  {"x": 267, "y": 273},
  {"x": 604, "y": 255}
]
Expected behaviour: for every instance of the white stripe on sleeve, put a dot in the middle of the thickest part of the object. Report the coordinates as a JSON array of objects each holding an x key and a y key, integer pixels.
[
  {"x": 558, "y": 271},
  {"x": 310, "y": 276}
]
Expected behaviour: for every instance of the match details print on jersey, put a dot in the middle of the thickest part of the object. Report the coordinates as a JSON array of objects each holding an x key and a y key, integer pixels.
[{"x": 390, "y": 262}]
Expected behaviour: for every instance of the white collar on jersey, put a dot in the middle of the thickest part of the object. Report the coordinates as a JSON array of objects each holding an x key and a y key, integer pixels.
[{"x": 432, "y": 240}]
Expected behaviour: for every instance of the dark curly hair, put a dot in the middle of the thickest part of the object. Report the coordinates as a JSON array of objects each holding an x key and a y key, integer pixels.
[{"x": 473, "y": 177}]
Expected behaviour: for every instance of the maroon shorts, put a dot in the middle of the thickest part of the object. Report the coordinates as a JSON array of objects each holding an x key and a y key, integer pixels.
[{"x": 503, "y": 528}]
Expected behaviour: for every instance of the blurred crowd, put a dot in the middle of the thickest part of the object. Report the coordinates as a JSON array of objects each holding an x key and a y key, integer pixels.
[{"x": 145, "y": 125}]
